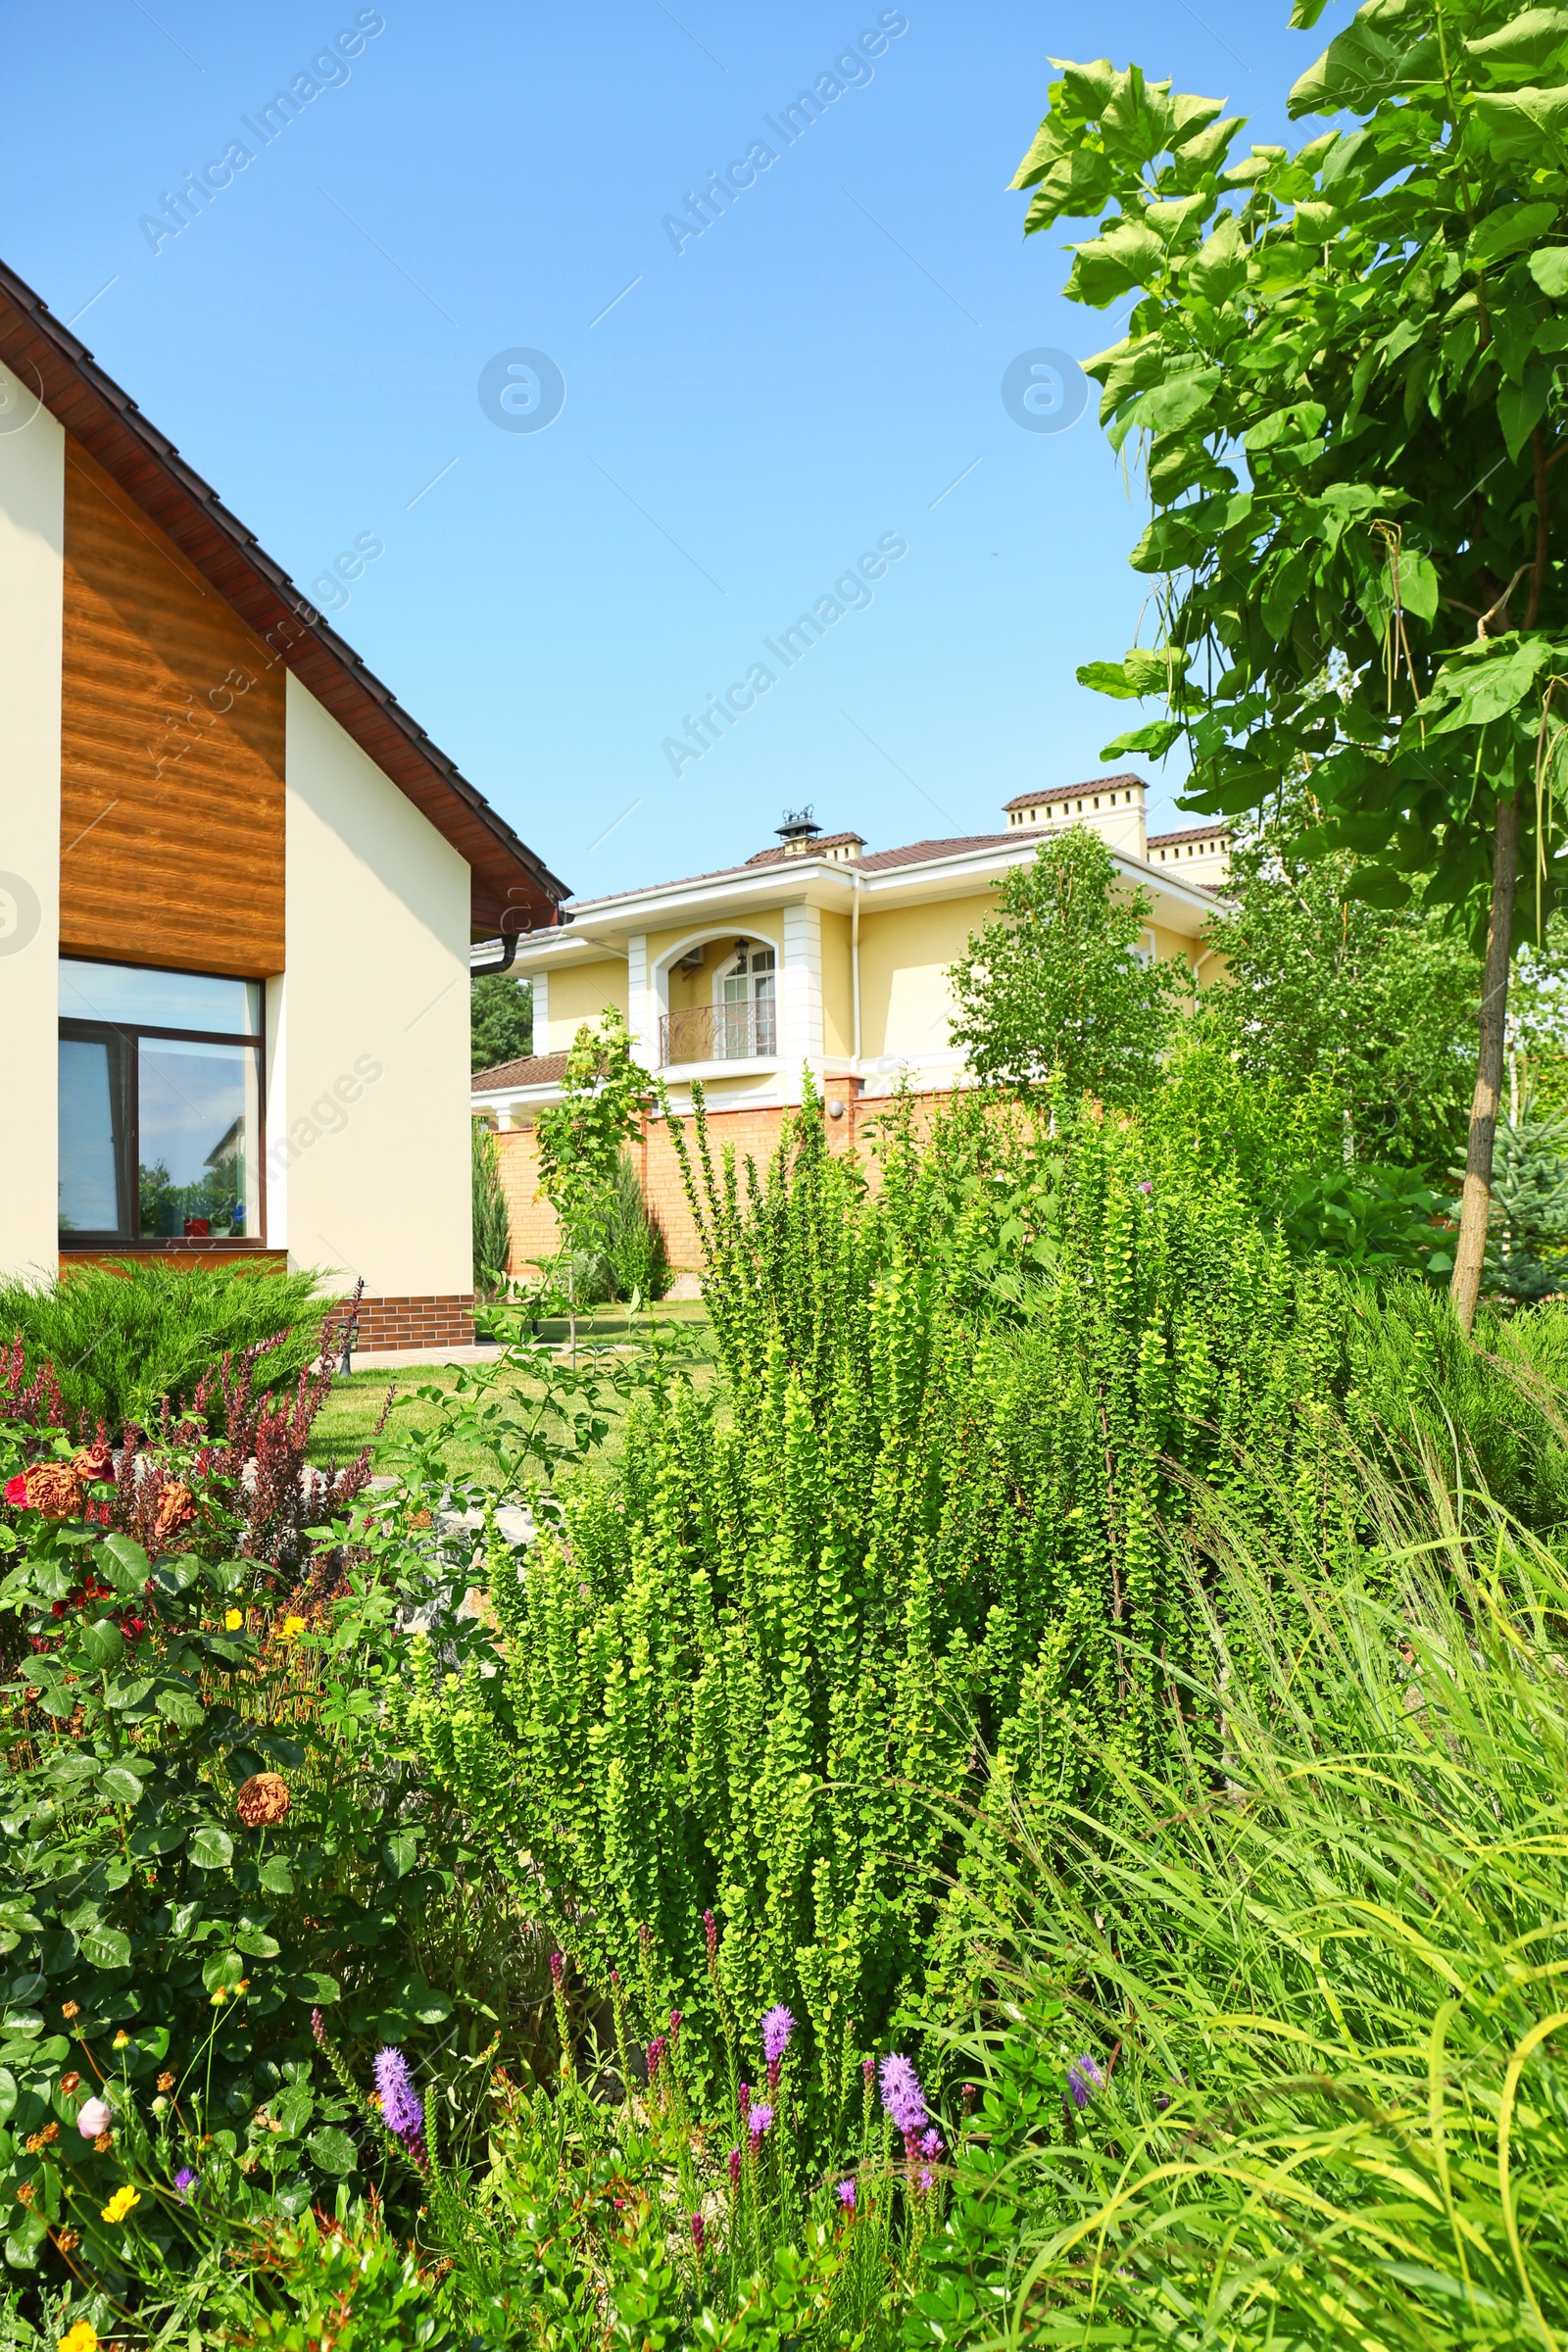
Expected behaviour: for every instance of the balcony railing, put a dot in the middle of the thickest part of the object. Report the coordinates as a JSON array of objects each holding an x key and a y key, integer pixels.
[{"x": 718, "y": 1033}]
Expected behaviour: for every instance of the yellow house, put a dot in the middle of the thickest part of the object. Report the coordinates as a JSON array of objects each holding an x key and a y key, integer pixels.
[{"x": 819, "y": 955}]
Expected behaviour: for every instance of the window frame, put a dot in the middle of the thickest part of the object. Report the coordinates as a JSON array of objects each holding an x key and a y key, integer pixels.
[{"x": 68, "y": 1026}]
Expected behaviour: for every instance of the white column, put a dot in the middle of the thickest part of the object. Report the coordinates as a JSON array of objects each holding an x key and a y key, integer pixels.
[
  {"x": 800, "y": 999},
  {"x": 541, "y": 1012},
  {"x": 33, "y": 495},
  {"x": 642, "y": 1014}
]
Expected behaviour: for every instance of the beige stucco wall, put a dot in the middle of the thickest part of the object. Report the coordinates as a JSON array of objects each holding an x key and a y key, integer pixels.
[
  {"x": 837, "y": 987},
  {"x": 579, "y": 993},
  {"x": 32, "y": 477},
  {"x": 905, "y": 1003},
  {"x": 367, "y": 1125}
]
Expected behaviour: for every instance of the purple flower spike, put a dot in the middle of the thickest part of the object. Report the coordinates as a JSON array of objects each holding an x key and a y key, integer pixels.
[
  {"x": 745, "y": 2099},
  {"x": 868, "y": 2070},
  {"x": 734, "y": 2168},
  {"x": 711, "y": 1932},
  {"x": 902, "y": 2095},
  {"x": 185, "y": 2180},
  {"x": 926, "y": 2178},
  {"x": 931, "y": 2145},
  {"x": 697, "y": 2231},
  {"x": 401, "y": 2110},
  {"x": 657, "y": 2049},
  {"x": 558, "y": 1969},
  {"x": 675, "y": 2023},
  {"x": 758, "y": 2122},
  {"x": 1084, "y": 2079},
  {"x": 319, "y": 2027},
  {"x": 847, "y": 2195},
  {"x": 777, "y": 2027}
]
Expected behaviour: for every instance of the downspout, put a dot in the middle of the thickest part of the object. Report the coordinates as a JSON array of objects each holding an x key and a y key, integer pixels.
[{"x": 855, "y": 965}]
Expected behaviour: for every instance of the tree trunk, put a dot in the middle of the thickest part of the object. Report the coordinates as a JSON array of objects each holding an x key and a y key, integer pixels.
[{"x": 1471, "y": 1252}]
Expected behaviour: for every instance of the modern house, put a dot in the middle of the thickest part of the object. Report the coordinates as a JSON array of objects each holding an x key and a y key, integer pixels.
[
  {"x": 238, "y": 886},
  {"x": 817, "y": 954}
]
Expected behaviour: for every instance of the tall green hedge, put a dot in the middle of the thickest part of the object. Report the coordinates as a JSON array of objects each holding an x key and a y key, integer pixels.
[{"x": 918, "y": 1528}]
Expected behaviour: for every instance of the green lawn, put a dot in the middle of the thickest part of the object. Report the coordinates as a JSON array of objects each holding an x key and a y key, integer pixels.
[{"x": 347, "y": 1421}]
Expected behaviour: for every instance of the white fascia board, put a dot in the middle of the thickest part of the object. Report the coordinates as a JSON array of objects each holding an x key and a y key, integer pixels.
[
  {"x": 822, "y": 882},
  {"x": 505, "y": 1097},
  {"x": 548, "y": 950},
  {"x": 1178, "y": 906}
]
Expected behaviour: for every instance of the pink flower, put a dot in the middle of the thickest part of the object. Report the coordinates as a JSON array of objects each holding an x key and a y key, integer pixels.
[
  {"x": 777, "y": 2027},
  {"x": 734, "y": 2168},
  {"x": 93, "y": 2117},
  {"x": 697, "y": 2231},
  {"x": 847, "y": 2195},
  {"x": 758, "y": 2122},
  {"x": 931, "y": 2143},
  {"x": 17, "y": 1491},
  {"x": 558, "y": 1969}
]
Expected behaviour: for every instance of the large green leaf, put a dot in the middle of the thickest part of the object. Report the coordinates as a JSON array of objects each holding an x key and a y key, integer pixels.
[
  {"x": 1521, "y": 406},
  {"x": 120, "y": 1784},
  {"x": 1380, "y": 55},
  {"x": 125, "y": 1563},
  {"x": 1156, "y": 739},
  {"x": 1527, "y": 126},
  {"x": 1508, "y": 229},
  {"x": 1105, "y": 266},
  {"x": 212, "y": 1849},
  {"x": 1549, "y": 269},
  {"x": 103, "y": 1644},
  {"x": 105, "y": 1948},
  {"x": 1529, "y": 41},
  {"x": 183, "y": 1709},
  {"x": 1174, "y": 402},
  {"x": 333, "y": 2151}
]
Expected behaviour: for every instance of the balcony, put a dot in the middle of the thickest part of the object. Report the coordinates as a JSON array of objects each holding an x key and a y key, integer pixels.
[{"x": 706, "y": 1033}]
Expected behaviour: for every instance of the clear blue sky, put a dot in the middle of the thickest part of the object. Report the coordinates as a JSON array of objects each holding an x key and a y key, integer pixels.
[{"x": 810, "y": 374}]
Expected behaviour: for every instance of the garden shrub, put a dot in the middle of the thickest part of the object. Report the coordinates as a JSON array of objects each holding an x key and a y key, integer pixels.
[
  {"x": 1282, "y": 2057},
  {"x": 125, "y": 1338},
  {"x": 749, "y": 1673},
  {"x": 205, "y": 1839}
]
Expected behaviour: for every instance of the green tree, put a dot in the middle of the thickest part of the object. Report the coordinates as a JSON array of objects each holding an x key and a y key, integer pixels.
[
  {"x": 604, "y": 1095},
  {"x": 1342, "y": 368},
  {"x": 1059, "y": 984},
  {"x": 492, "y": 1225},
  {"x": 499, "y": 1020},
  {"x": 1380, "y": 1002}
]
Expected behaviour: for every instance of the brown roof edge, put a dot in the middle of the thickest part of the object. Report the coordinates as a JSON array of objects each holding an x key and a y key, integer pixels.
[
  {"x": 512, "y": 888},
  {"x": 1066, "y": 791}
]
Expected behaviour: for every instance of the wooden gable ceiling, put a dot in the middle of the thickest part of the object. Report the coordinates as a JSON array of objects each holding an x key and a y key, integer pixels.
[{"x": 512, "y": 888}]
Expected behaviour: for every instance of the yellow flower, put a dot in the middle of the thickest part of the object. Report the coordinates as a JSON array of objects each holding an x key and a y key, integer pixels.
[
  {"x": 233, "y": 1619},
  {"x": 218, "y": 1998},
  {"x": 120, "y": 2203},
  {"x": 80, "y": 2338},
  {"x": 122, "y": 2042},
  {"x": 293, "y": 1627}
]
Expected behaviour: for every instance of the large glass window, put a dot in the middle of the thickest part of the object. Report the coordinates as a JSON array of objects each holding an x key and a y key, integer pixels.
[
  {"x": 159, "y": 1105},
  {"x": 747, "y": 1013}
]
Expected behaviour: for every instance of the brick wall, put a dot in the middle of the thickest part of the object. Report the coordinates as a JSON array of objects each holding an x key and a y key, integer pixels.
[
  {"x": 748, "y": 1133},
  {"x": 435, "y": 1322}
]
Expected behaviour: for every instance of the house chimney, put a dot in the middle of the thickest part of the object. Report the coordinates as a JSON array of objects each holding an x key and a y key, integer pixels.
[{"x": 797, "y": 831}]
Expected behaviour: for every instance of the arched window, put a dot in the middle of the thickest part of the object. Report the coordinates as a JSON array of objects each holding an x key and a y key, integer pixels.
[{"x": 746, "y": 1005}]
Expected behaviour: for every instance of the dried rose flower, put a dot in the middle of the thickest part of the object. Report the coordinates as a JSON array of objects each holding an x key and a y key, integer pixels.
[
  {"x": 69, "y": 2083},
  {"x": 263, "y": 1799},
  {"x": 177, "y": 1508},
  {"x": 166, "y": 2082},
  {"x": 54, "y": 1488}
]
